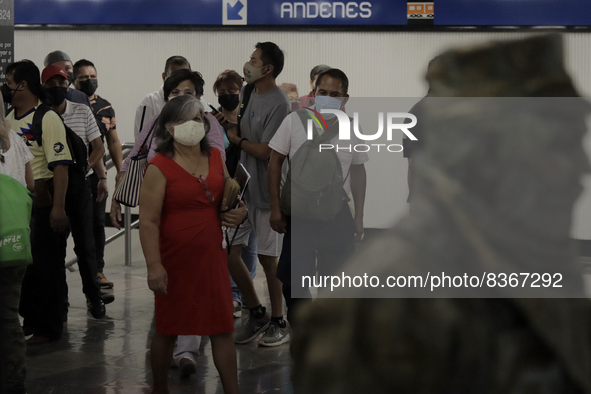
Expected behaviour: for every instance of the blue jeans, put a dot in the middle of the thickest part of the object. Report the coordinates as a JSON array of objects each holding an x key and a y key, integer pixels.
[{"x": 249, "y": 255}]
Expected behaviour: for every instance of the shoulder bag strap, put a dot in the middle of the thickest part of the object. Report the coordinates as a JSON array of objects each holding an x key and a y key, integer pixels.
[
  {"x": 151, "y": 136},
  {"x": 142, "y": 121},
  {"x": 248, "y": 89}
]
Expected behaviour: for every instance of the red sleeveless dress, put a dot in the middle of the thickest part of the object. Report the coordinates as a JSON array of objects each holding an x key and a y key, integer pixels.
[{"x": 199, "y": 299}]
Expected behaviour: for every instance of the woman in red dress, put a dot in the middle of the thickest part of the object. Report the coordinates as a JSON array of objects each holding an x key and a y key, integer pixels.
[{"x": 181, "y": 236}]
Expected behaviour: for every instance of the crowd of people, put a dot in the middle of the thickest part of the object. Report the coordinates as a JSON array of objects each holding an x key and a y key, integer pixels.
[{"x": 201, "y": 262}]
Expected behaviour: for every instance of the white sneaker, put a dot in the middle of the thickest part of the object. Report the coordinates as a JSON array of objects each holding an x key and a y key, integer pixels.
[{"x": 237, "y": 309}]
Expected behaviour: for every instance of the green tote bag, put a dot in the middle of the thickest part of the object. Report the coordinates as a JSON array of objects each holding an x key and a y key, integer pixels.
[{"x": 15, "y": 217}]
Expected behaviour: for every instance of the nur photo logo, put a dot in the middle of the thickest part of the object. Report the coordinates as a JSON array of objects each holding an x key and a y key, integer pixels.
[{"x": 394, "y": 121}]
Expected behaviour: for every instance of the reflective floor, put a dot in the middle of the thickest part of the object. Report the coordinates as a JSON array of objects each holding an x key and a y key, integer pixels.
[{"x": 111, "y": 355}]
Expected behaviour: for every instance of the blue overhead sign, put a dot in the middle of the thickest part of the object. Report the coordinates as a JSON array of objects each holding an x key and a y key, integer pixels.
[
  {"x": 211, "y": 12},
  {"x": 513, "y": 12},
  {"x": 118, "y": 12},
  {"x": 304, "y": 13}
]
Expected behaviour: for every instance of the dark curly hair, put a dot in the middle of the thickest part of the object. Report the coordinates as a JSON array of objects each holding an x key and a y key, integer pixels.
[{"x": 182, "y": 75}]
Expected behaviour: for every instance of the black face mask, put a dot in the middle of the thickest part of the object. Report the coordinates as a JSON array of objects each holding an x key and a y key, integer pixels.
[
  {"x": 229, "y": 102},
  {"x": 70, "y": 78},
  {"x": 8, "y": 93},
  {"x": 56, "y": 95},
  {"x": 89, "y": 86}
]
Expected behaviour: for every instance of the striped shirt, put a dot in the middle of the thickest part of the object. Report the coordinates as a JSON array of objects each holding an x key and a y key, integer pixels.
[{"x": 80, "y": 119}]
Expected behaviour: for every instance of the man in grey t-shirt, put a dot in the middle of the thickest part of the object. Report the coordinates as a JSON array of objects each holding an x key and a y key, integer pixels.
[
  {"x": 266, "y": 109},
  {"x": 263, "y": 116}
]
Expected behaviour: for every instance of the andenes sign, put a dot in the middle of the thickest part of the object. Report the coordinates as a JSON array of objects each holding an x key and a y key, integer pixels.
[{"x": 334, "y": 9}]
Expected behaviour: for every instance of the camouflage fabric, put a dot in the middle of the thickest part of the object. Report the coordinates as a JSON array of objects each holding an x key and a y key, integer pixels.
[
  {"x": 12, "y": 339},
  {"x": 488, "y": 193}
]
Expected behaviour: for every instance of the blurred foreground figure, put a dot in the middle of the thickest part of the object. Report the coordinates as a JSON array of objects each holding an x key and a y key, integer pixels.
[{"x": 495, "y": 186}]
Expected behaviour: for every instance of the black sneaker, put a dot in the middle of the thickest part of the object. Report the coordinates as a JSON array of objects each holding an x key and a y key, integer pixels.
[
  {"x": 97, "y": 308},
  {"x": 106, "y": 296},
  {"x": 274, "y": 336},
  {"x": 251, "y": 328},
  {"x": 28, "y": 330}
]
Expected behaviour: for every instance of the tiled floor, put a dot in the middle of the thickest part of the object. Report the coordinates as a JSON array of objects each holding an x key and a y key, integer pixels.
[{"x": 111, "y": 355}]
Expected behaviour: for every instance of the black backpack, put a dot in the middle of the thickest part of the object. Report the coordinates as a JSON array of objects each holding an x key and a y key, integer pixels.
[{"x": 75, "y": 143}]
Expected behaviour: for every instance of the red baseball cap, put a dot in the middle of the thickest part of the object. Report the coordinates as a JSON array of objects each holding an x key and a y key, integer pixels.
[{"x": 51, "y": 71}]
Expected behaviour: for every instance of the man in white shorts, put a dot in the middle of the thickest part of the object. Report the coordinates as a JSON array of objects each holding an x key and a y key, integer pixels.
[{"x": 264, "y": 112}]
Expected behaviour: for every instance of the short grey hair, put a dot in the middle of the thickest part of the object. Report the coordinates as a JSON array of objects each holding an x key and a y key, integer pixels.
[{"x": 180, "y": 109}]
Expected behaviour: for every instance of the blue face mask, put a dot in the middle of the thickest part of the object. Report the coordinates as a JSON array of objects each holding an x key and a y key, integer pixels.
[{"x": 327, "y": 102}]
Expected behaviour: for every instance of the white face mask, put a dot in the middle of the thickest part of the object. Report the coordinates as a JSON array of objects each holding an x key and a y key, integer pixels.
[
  {"x": 327, "y": 102},
  {"x": 189, "y": 133},
  {"x": 251, "y": 73}
]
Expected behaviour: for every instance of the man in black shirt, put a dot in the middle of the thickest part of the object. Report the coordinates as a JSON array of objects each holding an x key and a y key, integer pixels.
[{"x": 85, "y": 80}]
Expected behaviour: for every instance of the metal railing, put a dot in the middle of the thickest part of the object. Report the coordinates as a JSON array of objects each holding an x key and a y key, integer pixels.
[{"x": 127, "y": 224}]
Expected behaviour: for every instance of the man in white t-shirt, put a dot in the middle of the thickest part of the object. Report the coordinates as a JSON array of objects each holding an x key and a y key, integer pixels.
[
  {"x": 322, "y": 243},
  {"x": 80, "y": 119},
  {"x": 153, "y": 103}
]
